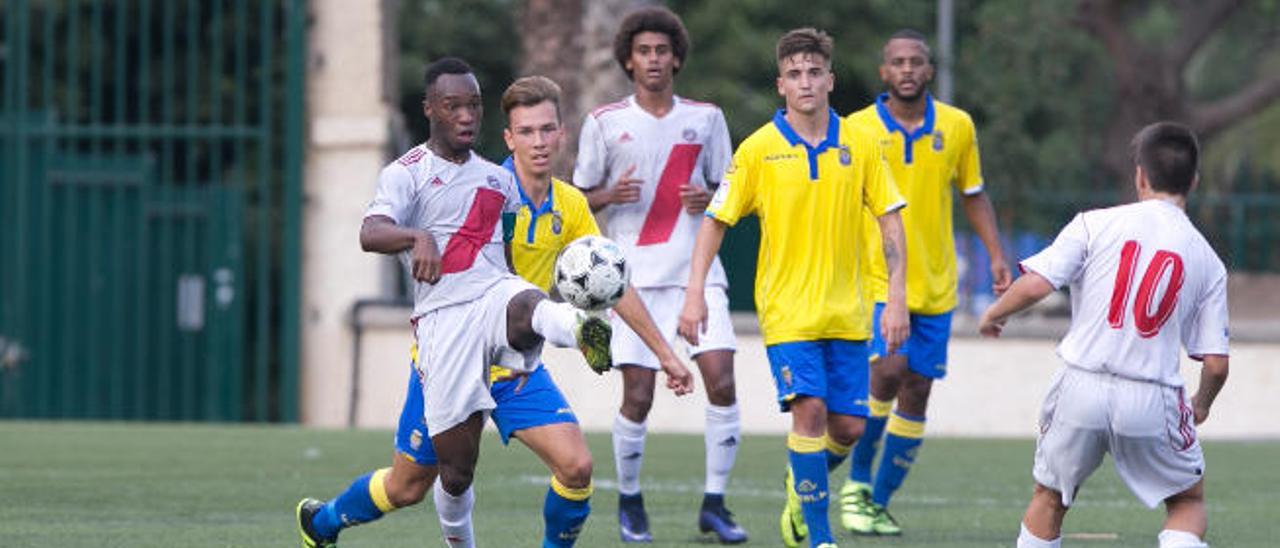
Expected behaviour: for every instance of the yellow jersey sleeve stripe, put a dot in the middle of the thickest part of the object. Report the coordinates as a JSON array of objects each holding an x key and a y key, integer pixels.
[
  {"x": 378, "y": 490},
  {"x": 572, "y": 493}
]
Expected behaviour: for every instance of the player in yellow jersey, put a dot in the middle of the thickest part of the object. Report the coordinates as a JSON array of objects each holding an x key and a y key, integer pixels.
[
  {"x": 931, "y": 147},
  {"x": 808, "y": 176},
  {"x": 530, "y": 407}
]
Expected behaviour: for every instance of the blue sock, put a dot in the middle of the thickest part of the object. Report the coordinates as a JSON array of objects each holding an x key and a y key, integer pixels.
[
  {"x": 836, "y": 453},
  {"x": 364, "y": 501},
  {"x": 864, "y": 452},
  {"x": 809, "y": 465},
  {"x": 906, "y": 432},
  {"x": 564, "y": 511}
]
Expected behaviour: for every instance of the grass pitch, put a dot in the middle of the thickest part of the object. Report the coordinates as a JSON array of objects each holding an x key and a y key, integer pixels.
[{"x": 131, "y": 485}]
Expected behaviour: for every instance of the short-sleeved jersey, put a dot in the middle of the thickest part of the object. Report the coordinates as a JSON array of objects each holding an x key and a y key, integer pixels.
[
  {"x": 461, "y": 206},
  {"x": 810, "y": 199},
  {"x": 541, "y": 231},
  {"x": 926, "y": 164},
  {"x": 689, "y": 145},
  {"x": 1143, "y": 283}
]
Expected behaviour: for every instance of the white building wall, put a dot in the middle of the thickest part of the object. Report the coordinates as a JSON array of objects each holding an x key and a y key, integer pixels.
[{"x": 347, "y": 136}]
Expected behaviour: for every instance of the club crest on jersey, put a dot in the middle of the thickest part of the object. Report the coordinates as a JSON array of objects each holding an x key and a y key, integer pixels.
[
  {"x": 689, "y": 134},
  {"x": 493, "y": 183},
  {"x": 846, "y": 157},
  {"x": 938, "y": 141},
  {"x": 624, "y": 138},
  {"x": 557, "y": 222}
]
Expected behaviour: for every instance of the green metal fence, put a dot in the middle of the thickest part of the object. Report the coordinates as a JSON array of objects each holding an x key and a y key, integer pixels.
[{"x": 150, "y": 186}]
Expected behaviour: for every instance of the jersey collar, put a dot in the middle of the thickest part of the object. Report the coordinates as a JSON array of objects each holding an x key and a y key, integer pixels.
[
  {"x": 535, "y": 211},
  {"x": 908, "y": 137},
  {"x": 831, "y": 141}
]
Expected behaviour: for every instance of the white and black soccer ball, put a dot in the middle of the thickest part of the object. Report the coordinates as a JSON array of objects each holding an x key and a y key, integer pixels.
[{"x": 591, "y": 273}]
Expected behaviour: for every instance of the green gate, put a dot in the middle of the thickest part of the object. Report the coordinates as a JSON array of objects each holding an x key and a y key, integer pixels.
[{"x": 150, "y": 188}]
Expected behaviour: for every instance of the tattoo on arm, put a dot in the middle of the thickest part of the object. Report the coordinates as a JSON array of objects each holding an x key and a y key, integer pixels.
[{"x": 892, "y": 258}]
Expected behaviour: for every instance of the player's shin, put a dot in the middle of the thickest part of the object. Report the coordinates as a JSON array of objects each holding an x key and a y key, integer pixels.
[
  {"x": 722, "y": 437},
  {"x": 864, "y": 451},
  {"x": 628, "y": 453},
  {"x": 809, "y": 465},
  {"x": 1028, "y": 540},
  {"x": 905, "y": 434},
  {"x": 455, "y": 517},
  {"x": 364, "y": 501},
  {"x": 564, "y": 511}
]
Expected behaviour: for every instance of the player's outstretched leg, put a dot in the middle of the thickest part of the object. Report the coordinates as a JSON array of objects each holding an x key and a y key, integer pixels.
[
  {"x": 532, "y": 318},
  {"x": 561, "y": 446},
  {"x": 367, "y": 499},
  {"x": 722, "y": 436},
  {"x": 629, "y": 432}
]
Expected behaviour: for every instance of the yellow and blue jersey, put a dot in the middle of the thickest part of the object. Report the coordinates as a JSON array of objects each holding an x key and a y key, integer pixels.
[
  {"x": 810, "y": 201},
  {"x": 926, "y": 163},
  {"x": 541, "y": 231}
]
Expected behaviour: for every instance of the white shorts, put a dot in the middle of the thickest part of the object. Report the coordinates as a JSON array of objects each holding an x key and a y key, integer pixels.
[
  {"x": 664, "y": 304},
  {"x": 1148, "y": 428},
  {"x": 456, "y": 346}
]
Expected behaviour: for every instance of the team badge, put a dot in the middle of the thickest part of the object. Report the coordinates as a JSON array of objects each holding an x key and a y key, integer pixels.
[
  {"x": 689, "y": 134},
  {"x": 557, "y": 223},
  {"x": 415, "y": 439},
  {"x": 785, "y": 373},
  {"x": 493, "y": 183},
  {"x": 938, "y": 142},
  {"x": 845, "y": 156}
]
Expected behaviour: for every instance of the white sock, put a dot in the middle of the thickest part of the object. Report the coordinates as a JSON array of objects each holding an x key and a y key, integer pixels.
[
  {"x": 1171, "y": 538},
  {"x": 628, "y": 453},
  {"x": 556, "y": 322},
  {"x": 1028, "y": 540},
  {"x": 455, "y": 517},
  {"x": 723, "y": 435}
]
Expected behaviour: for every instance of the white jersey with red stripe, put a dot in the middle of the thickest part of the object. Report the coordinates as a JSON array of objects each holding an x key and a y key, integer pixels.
[
  {"x": 1144, "y": 282},
  {"x": 461, "y": 206},
  {"x": 689, "y": 145}
]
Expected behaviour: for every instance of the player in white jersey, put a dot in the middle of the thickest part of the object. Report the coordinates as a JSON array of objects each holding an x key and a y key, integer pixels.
[
  {"x": 1144, "y": 282},
  {"x": 650, "y": 161},
  {"x": 442, "y": 209}
]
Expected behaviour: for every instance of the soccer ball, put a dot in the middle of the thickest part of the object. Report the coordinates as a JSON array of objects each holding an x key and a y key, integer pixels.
[{"x": 591, "y": 273}]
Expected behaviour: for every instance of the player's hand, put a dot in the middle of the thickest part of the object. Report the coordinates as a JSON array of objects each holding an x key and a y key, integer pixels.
[
  {"x": 1001, "y": 277},
  {"x": 679, "y": 379},
  {"x": 426, "y": 258},
  {"x": 695, "y": 198},
  {"x": 627, "y": 189},
  {"x": 1201, "y": 410},
  {"x": 988, "y": 327},
  {"x": 693, "y": 317},
  {"x": 895, "y": 326}
]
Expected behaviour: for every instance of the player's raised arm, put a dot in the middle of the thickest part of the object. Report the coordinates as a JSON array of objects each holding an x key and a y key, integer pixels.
[
  {"x": 693, "y": 317},
  {"x": 631, "y": 309}
]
